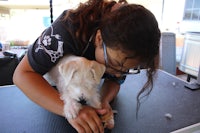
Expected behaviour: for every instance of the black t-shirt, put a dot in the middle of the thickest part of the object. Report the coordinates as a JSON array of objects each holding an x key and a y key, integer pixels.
[{"x": 55, "y": 42}]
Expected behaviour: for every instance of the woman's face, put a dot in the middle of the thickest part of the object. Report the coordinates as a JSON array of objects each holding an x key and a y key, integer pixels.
[{"x": 115, "y": 60}]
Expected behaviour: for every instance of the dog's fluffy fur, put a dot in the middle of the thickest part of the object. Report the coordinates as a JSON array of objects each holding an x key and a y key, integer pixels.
[{"x": 77, "y": 80}]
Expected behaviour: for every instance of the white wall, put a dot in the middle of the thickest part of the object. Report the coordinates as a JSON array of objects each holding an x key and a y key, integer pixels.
[
  {"x": 28, "y": 24},
  {"x": 155, "y": 6},
  {"x": 25, "y": 24},
  {"x": 172, "y": 15}
]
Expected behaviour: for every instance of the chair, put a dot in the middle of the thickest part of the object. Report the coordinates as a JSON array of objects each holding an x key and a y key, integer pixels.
[
  {"x": 7, "y": 68},
  {"x": 168, "y": 52}
]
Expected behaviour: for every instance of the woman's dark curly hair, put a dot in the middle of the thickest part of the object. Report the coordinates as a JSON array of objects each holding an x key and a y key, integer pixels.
[
  {"x": 131, "y": 28},
  {"x": 86, "y": 18},
  {"x": 134, "y": 29}
]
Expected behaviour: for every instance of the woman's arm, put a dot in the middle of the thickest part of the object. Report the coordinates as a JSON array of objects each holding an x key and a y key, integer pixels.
[
  {"x": 37, "y": 88},
  {"x": 109, "y": 91}
]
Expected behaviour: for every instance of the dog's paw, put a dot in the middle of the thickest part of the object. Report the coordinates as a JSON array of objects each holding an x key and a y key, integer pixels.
[
  {"x": 108, "y": 120},
  {"x": 72, "y": 110},
  {"x": 110, "y": 123}
]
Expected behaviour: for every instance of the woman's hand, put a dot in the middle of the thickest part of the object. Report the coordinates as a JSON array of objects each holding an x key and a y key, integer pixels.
[
  {"x": 88, "y": 121},
  {"x": 106, "y": 115},
  {"x": 109, "y": 91}
]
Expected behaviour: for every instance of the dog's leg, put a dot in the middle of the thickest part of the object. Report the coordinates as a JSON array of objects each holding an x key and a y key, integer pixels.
[
  {"x": 71, "y": 107},
  {"x": 95, "y": 102}
]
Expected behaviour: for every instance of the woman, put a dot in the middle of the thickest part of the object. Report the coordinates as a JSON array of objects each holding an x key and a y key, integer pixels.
[{"x": 122, "y": 36}]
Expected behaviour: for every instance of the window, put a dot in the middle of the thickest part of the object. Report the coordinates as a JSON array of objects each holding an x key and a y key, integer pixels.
[{"x": 192, "y": 10}]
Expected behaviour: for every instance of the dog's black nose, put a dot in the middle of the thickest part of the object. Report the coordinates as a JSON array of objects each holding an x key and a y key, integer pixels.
[{"x": 82, "y": 101}]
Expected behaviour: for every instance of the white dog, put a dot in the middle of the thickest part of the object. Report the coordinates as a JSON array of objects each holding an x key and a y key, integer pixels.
[{"x": 77, "y": 80}]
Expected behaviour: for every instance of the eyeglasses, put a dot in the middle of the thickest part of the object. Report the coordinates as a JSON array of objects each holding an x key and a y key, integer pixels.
[{"x": 117, "y": 71}]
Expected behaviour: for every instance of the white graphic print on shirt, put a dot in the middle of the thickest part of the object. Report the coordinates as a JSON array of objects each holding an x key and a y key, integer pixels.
[{"x": 54, "y": 55}]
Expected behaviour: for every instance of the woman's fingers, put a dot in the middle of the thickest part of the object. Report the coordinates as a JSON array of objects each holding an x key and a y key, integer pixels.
[
  {"x": 93, "y": 121},
  {"x": 99, "y": 124},
  {"x": 80, "y": 125},
  {"x": 107, "y": 116},
  {"x": 101, "y": 111},
  {"x": 87, "y": 121},
  {"x": 79, "y": 128}
]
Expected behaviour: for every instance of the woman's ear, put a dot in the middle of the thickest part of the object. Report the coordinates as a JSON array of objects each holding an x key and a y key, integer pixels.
[{"x": 98, "y": 39}]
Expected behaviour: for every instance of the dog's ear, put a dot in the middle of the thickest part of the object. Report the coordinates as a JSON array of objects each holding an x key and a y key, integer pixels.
[
  {"x": 67, "y": 70},
  {"x": 97, "y": 70}
]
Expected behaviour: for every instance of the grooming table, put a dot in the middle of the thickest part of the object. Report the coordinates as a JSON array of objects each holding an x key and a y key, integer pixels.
[{"x": 169, "y": 107}]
